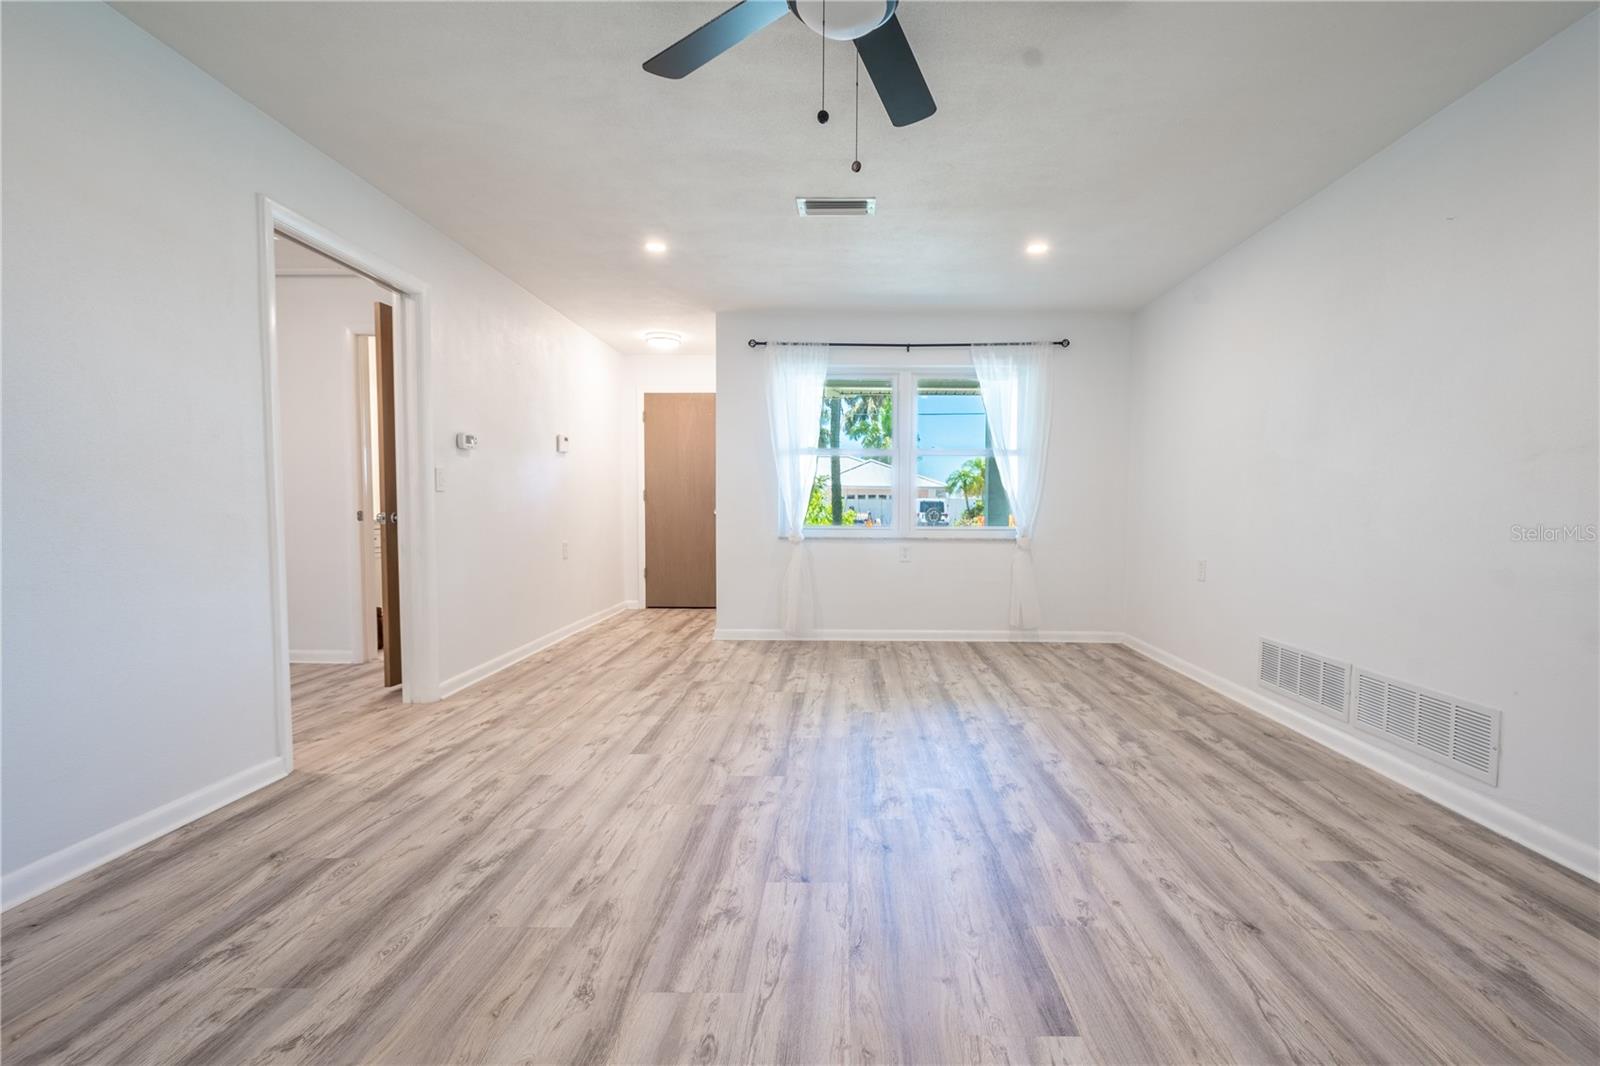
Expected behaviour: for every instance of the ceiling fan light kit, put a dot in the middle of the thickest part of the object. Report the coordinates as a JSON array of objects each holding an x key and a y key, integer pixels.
[{"x": 843, "y": 20}]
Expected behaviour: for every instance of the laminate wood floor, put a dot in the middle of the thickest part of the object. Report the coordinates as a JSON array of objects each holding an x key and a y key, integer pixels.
[{"x": 646, "y": 846}]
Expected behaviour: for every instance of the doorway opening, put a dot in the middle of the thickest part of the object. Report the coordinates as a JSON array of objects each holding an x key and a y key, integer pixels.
[
  {"x": 679, "y": 500},
  {"x": 336, "y": 407},
  {"x": 345, "y": 360}
]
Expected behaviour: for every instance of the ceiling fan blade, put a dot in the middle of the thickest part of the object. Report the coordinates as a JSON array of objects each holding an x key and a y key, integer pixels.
[
  {"x": 715, "y": 37},
  {"x": 886, "y": 54}
]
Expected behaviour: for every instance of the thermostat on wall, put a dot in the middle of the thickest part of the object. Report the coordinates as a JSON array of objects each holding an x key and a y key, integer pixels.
[
  {"x": 563, "y": 443},
  {"x": 466, "y": 441}
]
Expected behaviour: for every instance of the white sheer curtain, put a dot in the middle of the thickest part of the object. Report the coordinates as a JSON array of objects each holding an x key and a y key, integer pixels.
[
  {"x": 796, "y": 374},
  {"x": 1015, "y": 381}
]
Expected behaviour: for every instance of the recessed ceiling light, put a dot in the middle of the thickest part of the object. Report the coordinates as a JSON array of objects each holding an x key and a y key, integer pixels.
[
  {"x": 655, "y": 247},
  {"x": 1037, "y": 247},
  {"x": 663, "y": 340}
]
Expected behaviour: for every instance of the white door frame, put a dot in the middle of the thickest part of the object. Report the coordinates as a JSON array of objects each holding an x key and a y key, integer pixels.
[{"x": 413, "y": 431}]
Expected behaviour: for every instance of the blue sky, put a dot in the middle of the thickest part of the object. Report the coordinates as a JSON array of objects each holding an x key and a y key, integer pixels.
[{"x": 948, "y": 422}]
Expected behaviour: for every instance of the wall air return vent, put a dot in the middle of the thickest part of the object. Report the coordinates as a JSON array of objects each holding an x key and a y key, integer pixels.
[
  {"x": 1464, "y": 737},
  {"x": 832, "y": 206},
  {"x": 1312, "y": 679}
]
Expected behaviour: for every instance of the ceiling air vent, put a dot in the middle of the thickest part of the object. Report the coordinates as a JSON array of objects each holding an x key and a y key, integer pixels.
[
  {"x": 826, "y": 206},
  {"x": 1311, "y": 679},
  {"x": 1462, "y": 736}
]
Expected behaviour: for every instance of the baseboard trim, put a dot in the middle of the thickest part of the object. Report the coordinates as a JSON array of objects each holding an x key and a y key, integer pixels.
[
  {"x": 330, "y": 655},
  {"x": 467, "y": 678},
  {"x": 1574, "y": 854},
  {"x": 1009, "y": 636},
  {"x": 57, "y": 868}
]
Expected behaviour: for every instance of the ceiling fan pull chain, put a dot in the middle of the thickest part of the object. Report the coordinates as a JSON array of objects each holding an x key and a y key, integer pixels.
[
  {"x": 822, "y": 112},
  {"x": 855, "y": 164}
]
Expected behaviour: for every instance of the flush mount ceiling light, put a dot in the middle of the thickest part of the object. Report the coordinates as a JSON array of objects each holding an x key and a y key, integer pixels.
[
  {"x": 663, "y": 340},
  {"x": 655, "y": 247},
  {"x": 1037, "y": 247}
]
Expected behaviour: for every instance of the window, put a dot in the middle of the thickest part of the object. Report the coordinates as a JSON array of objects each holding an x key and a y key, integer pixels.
[
  {"x": 855, "y": 479},
  {"x": 958, "y": 484},
  {"x": 872, "y": 476}
]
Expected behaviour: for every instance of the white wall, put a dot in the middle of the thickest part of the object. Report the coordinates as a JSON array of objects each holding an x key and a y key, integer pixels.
[
  {"x": 1347, "y": 414},
  {"x": 663, "y": 372},
  {"x": 138, "y": 686},
  {"x": 319, "y": 408},
  {"x": 948, "y": 587}
]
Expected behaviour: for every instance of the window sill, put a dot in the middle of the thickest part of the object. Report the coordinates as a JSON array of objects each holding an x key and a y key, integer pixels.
[{"x": 824, "y": 533}]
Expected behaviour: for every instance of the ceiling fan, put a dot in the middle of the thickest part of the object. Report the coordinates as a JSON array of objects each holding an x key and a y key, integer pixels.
[{"x": 871, "y": 24}]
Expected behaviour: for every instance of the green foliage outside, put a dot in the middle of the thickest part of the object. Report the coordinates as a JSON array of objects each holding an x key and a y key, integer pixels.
[
  {"x": 865, "y": 418},
  {"x": 967, "y": 480},
  {"x": 818, "y": 511},
  {"x": 862, "y": 414}
]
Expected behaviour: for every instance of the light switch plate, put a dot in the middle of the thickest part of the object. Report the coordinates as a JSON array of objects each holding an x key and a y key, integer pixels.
[{"x": 438, "y": 479}]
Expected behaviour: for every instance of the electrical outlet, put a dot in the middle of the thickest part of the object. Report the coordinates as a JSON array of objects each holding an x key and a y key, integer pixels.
[
  {"x": 564, "y": 552},
  {"x": 1200, "y": 571},
  {"x": 905, "y": 553}
]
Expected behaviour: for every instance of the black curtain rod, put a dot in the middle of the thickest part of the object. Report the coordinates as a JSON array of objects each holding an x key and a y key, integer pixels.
[{"x": 1062, "y": 343}]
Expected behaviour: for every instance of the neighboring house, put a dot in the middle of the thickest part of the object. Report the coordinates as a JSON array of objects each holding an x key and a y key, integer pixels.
[{"x": 869, "y": 487}]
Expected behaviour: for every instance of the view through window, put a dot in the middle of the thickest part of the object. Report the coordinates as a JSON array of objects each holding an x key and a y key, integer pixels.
[
  {"x": 958, "y": 483},
  {"x": 870, "y": 475}
]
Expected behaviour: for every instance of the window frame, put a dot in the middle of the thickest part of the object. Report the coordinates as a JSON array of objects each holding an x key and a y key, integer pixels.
[{"x": 903, "y": 458}]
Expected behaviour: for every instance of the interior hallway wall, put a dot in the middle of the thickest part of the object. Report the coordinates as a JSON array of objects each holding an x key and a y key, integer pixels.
[
  {"x": 139, "y": 675},
  {"x": 1350, "y": 416}
]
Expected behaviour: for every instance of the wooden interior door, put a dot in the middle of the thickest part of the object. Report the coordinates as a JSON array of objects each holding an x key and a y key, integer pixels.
[
  {"x": 680, "y": 499},
  {"x": 388, "y": 492}
]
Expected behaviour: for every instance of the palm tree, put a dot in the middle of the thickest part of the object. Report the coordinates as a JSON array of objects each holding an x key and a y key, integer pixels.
[
  {"x": 861, "y": 414},
  {"x": 967, "y": 479},
  {"x": 869, "y": 419}
]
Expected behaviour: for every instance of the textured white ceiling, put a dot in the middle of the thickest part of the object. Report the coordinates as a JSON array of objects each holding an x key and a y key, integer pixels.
[{"x": 1140, "y": 139}]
